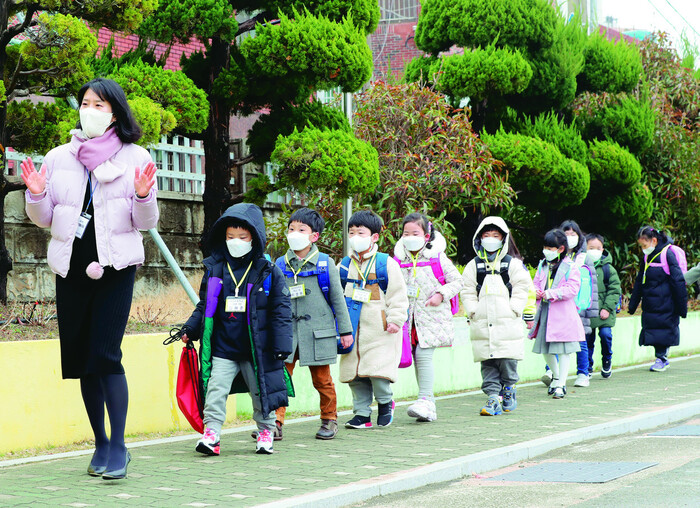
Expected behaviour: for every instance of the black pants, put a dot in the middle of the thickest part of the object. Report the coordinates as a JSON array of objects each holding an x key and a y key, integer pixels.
[{"x": 92, "y": 317}]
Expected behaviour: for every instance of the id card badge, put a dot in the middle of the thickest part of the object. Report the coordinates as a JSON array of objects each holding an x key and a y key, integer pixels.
[
  {"x": 361, "y": 295},
  {"x": 83, "y": 222},
  {"x": 235, "y": 304},
  {"x": 413, "y": 291},
  {"x": 297, "y": 291}
]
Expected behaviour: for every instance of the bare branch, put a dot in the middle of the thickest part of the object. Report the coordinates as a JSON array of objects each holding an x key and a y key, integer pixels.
[
  {"x": 52, "y": 70},
  {"x": 13, "y": 31},
  {"x": 249, "y": 24},
  {"x": 242, "y": 161}
]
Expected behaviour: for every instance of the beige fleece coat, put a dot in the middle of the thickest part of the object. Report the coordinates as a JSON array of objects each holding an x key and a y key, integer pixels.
[
  {"x": 497, "y": 329},
  {"x": 376, "y": 352},
  {"x": 434, "y": 325}
]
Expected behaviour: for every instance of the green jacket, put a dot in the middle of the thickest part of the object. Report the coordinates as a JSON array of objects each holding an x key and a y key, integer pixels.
[{"x": 609, "y": 295}]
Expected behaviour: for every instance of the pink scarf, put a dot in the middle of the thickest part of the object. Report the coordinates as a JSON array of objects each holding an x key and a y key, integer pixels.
[{"x": 93, "y": 152}]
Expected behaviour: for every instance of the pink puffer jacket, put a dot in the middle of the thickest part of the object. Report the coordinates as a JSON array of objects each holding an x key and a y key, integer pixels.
[{"x": 118, "y": 213}]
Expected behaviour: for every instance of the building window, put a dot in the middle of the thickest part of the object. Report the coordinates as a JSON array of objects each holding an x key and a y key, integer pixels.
[{"x": 399, "y": 11}]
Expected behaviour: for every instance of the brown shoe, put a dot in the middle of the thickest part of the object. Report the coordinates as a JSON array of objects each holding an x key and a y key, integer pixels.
[
  {"x": 277, "y": 435},
  {"x": 328, "y": 430}
]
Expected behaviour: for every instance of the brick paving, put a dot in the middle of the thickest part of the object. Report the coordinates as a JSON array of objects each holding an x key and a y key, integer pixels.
[{"x": 172, "y": 474}]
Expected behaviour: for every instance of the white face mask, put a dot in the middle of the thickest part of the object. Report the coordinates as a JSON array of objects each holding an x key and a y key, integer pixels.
[
  {"x": 572, "y": 241},
  {"x": 94, "y": 122},
  {"x": 298, "y": 241},
  {"x": 594, "y": 255},
  {"x": 360, "y": 243},
  {"x": 413, "y": 243},
  {"x": 648, "y": 250},
  {"x": 550, "y": 255},
  {"x": 491, "y": 244},
  {"x": 238, "y": 248}
]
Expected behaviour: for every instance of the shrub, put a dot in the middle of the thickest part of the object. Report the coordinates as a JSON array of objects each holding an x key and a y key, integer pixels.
[
  {"x": 420, "y": 69},
  {"x": 629, "y": 209},
  {"x": 609, "y": 163},
  {"x": 567, "y": 138},
  {"x": 610, "y": 66}
]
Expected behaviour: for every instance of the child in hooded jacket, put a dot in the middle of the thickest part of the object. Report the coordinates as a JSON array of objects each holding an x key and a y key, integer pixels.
[
  {"x": 495, "y": 303},
  {"x": 558, "y": 330},
  {"x": 430, "y": 323}
]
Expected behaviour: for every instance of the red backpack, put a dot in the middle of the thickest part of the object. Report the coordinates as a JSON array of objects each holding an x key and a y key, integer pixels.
[{"x": 439, "y": 275}]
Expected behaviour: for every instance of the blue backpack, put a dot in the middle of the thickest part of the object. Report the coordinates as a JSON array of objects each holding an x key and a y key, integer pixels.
[
  {"x": 584, "y": 296},
  {"x": 354, "y": 307}
]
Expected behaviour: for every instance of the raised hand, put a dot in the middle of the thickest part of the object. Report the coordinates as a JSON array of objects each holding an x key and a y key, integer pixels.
[
  {"x": 33, "y": 179},
  {"x": 144, "y": 180}
]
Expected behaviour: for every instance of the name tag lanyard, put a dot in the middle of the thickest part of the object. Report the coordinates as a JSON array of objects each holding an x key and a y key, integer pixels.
[
  {"x": 367, "y": 270},
  {"x": 92, "y": 190},
  {"x": 235, "y": 281},
  {"x": 303, "y": 262},
  {"x": 647, "y": 265},
  {"x": 85, "y": 217}
]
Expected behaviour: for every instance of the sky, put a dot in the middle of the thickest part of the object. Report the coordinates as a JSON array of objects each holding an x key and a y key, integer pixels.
[{"x": 655, "y": 15}]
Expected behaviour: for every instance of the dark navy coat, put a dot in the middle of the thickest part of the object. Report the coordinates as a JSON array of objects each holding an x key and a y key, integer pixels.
[{"x": 664, "y": 301}]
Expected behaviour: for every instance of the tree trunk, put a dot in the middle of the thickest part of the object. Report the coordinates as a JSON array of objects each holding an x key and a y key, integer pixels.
[{"x": 217, "y": 181}]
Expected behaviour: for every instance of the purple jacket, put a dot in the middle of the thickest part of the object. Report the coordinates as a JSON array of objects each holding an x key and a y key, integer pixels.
[
  {"x": 118, "y": 213},
  {"x": 563, "y": 322}
]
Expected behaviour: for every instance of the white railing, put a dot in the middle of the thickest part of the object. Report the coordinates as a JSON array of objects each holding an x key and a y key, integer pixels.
[
  {"x": 394, "y": 11},
  {"x": 180, "y": 163}
]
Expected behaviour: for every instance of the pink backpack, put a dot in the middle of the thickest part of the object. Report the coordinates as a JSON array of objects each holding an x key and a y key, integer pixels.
[
  {"x": 680, "y": 256},
  {"x": 439, "y": 275}
]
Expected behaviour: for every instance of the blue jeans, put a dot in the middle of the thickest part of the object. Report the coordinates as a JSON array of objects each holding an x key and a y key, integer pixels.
[
  {"x": 605, "y": 334},
  {"x": 582, "y": 359}
]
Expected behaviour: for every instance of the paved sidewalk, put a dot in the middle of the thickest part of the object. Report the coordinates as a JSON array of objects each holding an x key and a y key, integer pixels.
[{"x": 172, "y": 474}]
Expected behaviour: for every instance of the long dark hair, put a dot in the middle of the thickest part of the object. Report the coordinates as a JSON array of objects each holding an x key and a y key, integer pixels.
[
  {"x": 108, "y": 90},
  {"x": 555, "y": 238},
  {"x": 424, "y": 223},
  {"x": 573, "y": 226}
]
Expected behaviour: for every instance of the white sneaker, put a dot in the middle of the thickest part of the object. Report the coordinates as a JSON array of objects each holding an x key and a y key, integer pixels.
[
  {"x": 210, "y": 443},
  {"x": 423, "y": 410},
  {"x": 264, "y": 443},
  {"x": 546, "y": 377},
  {"x": 582, "y": 380}
]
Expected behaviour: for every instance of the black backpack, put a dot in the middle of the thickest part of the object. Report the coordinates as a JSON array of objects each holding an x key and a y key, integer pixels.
[{"x": 482, "y": 271}]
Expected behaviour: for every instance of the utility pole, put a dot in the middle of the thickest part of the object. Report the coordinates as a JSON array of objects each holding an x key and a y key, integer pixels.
[{"x": 347, "y": 205}]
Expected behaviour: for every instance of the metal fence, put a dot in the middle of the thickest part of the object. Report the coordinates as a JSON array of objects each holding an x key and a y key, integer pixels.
[{"x": 396, "y": 11}]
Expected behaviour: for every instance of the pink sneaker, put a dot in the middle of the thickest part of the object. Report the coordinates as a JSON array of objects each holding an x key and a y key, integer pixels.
[
  {"x": 264, "y": 444},
  {"x": 209, "y": 444}
]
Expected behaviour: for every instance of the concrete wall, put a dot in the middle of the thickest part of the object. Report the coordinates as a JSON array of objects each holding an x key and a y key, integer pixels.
[
  {"x": 181, "y": 223},
  {"x": 40, "y": 410}
]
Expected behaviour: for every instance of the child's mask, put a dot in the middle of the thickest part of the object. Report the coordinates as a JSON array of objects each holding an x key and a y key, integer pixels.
[
  {"x": 298, "y": 241},
  {"x": 414, "y": 243},
  {"x": 238, "y": 248},
  {"x": 360, "y": 243}
]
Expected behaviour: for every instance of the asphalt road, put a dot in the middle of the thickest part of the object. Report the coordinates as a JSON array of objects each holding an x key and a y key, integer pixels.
[{"x": 674, "y": 482}]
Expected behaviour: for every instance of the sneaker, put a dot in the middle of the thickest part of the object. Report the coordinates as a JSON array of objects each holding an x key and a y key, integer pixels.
[
  {"x": 209, "y": 444},
  {"x": 493, "y": 407},
  {"x": 277, "y": 436},
  {"x": 509, "y": 401},
  {"x": 660, "y": 365},
  {"x": 582, "y": 380},
  {"x": 606, "y": 369},
  {"x": 385, "y": 414},
  {"x": 550, "y": 391},
  {"x": 559, "y": 392},
  {"x": 359, "y": 422},
  {"x": 423, "y": 410},
  {"x": 547, "y": 378},
  {"x": 328, "y": 430},
  {"x": 264, "y": 443}
]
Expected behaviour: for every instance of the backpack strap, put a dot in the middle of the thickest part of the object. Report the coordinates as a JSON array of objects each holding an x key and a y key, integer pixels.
[
  {"x": 343, "y": 270},
  {"x": 606, "y": 274},
  {"x": 437, "y": 269},
  {"x": 267, "y": 283},
  {"x": 323, "y": 278},
  {"x": 380, "y": 269},
  {"x": 481, "y": 272}
]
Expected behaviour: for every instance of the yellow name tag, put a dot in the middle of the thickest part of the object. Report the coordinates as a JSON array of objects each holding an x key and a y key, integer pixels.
[
  {"x": 413, "y": 291},
  {"x": 297, "y": 291},
  {"x": 361, "y": 295},
  {"x": 235, "y": 304}
]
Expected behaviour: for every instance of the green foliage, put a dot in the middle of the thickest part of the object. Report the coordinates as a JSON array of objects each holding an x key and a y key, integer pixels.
[
  {"x": 624, "y": 119},
  {"x": 548, "y": 127},
  {"x": 153, "y": 119},
  {"x": 283, "y": 121},
  {"x": 483, "y": 73},
  {"x": 107, "y": 64},
  {"x": 429, "y": 157},
  {"x": 612, "y": 165},
  {"x": 420, "y": 69},
  {"x": 629, "y": 209},
  {"x": 59, "y": 46},
  {"x": 611, "y": 66},
  {"x": 538, "y": 169},
  {"x": 310, "y": 51},
  {"x": 316, "y": 160},
  {"x": 123, "y": 15},
  {"x": 37, "y": 128},
  {"x": 528, "y": 25},
  {"x": 179, "y": 19},
  {"x": 175, "y": 92}
]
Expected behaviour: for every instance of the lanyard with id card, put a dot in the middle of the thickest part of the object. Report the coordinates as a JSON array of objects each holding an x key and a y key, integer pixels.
[
  {"x": 298, "y": 290},
  {"x": 237, "y": 303},
  {"x": 361, "y": 294},
  {"x": 412, "y": 289},
  {"x": 85, "y": 217}
]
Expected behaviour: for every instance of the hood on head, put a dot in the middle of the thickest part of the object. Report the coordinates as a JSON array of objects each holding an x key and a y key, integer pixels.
[
  {"x": 492, "y": 221},
  {"x": 438, "y": 245},
  {"x": 248, "y": 214}
]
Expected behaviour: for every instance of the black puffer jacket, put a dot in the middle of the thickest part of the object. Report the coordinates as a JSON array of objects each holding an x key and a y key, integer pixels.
[
  {"x": 664, "y": 300},
  {"x": 270, "y": 316}
]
